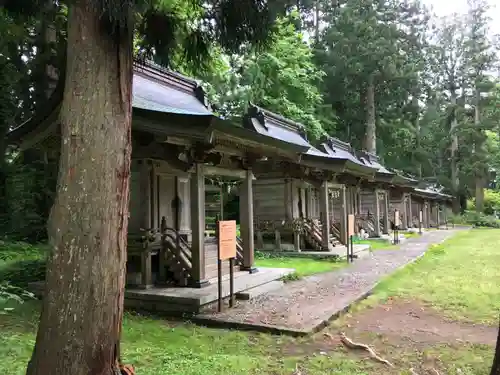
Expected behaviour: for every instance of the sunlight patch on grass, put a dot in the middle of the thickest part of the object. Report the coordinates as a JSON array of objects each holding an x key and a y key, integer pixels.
[
  {"x": 377, "y": 244},
  {"x": 302, "y": 266}
]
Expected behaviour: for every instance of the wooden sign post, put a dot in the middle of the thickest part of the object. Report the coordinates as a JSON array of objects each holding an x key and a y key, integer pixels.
[
  {"x": 420, "y": 216},
  {"x": 226, "y": 250},
  {"x": 397, "y": 224},
  {"x": 350, "y": 234}
]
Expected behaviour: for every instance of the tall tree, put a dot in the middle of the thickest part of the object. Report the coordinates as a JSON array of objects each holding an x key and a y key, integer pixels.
[
  {"x": 449, "y": 65},
  {"x": 281, "y": 77},
  {"x": 481, "y": 58},
  {"x": 360, "y": 76}
]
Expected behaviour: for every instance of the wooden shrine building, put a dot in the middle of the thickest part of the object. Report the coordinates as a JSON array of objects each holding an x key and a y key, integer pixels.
[
  {"x": 179, "y": 149},
  {"x": 434, "y": 205},
  {"x": 301, "y": 205},
  {"x": 292, "y": 195}
]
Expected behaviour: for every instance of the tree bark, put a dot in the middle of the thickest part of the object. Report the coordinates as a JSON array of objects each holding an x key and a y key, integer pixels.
[
  {"x": 370, "y": 134},
  {"x": 480, "y": 172},
  {"x": 495, "y": 367},
  {"x": 417, "y": 160},
  {"x": 81, "y": 317},
  {"x": 455, "y": 182}
]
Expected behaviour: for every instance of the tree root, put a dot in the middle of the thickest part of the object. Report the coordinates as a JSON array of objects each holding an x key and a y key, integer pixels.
[{"x": 355, "y": 345}]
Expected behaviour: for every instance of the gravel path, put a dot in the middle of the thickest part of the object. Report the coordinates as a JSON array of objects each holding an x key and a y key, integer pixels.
[{"x": 306, "y": 305}]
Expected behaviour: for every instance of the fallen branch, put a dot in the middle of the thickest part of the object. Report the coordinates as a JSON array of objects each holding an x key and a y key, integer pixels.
[{"x": 355, "y": 345}]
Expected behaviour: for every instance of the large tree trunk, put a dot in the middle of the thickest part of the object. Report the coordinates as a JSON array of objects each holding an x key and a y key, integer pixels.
[
  {"x": 418, "y": 135},
  {"x": 495, "y": 367},
  {"x": 371, "y": 131},
  {"x": 480, "y": 174},
  {"x": 81, "y": 318},
  {"x": 455, "y": 182}
]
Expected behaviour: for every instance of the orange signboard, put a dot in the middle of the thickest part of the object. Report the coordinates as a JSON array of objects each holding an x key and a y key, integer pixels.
[
  {"x": 227, "y": 239},
  {"x": 350, "y": 225}
]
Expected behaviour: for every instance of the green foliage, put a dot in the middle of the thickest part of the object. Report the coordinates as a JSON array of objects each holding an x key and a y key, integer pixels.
[
  {"x": 377, "y": 42},
  {"x": 491, "y": 202},
  {"x": 281, "y": 78},
  {"x": 476, "y": 219},
  {"x": 10, "y": 293},
  {"x": 22, "y": 263},
  {"x": 29, "y": 188},
  {"x": 481, "y": 220}
]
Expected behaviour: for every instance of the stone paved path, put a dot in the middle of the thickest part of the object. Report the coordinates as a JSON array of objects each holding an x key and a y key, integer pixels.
[{"x": 304, "y": 306}]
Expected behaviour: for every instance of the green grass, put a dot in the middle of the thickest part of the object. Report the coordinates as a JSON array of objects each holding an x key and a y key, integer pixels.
[
  {"x": 459, "y": 277},
  {"x": 377, "y": 244},
  {"x": 154, "y": 346},
  {"x": 411, "y": 234},
  {"x": 303, "y": 266}
]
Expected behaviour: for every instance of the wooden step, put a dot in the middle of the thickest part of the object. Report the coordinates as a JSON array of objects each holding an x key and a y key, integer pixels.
[
  {"x": 259, "y": 290},
  {"x": 211, "y": 270}
]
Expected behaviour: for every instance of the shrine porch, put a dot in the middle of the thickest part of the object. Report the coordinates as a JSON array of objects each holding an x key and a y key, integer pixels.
[{"x": 176, "y": 300}]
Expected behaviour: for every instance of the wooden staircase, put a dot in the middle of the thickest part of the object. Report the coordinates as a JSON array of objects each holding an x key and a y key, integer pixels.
[
  {"x": 177, "y": 253},
  {"x": 312, "y": 231},
  {"x": 366, "y": 222},
  {"x": 335, "y": 234}
]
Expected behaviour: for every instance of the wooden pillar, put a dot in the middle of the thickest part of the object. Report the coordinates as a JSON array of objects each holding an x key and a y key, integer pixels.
[
  {"x": 307, "y": 192},
  {"x": 221, "y": 201},
  {"x": 198, "y": 226},
  {"x": 146, "y": 224},
  {"x": 437, "y": 215},
  {"x": 385, "y": 203},
  {"x": 378, "y": 232},
  {"x": 145, "y": 185},
  {"x": 246, "y": 222},
  {"x": 426, "y": 214},
  {"x": 288, "y": 200},
  {"x": 303, "y": 205},
  {"x": 155, "y": 220},
  {"x": 404, "y": 212},
  {"x": 410, "y": 214},
  {"x": 343, "y": 215},
  {"x": 325, "y": 217},
  {"x": 348, "y": 200},
  {"x": 184, "y": 210}
]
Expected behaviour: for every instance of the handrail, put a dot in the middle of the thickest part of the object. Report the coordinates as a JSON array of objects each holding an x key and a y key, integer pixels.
[
  {"x": 239, "y": 250},
  {"x": 181, "y": 240},
  {"x": 178, "y": 247},
  {"x": 185, "y": 254}
]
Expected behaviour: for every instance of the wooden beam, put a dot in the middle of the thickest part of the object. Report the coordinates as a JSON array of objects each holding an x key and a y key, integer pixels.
[
  {"x": 220, "y": 171},
  {"x": 378, "y": 232},
  {"x": 246, "y": 222},
  {"x": 343, "y": 216},
  {"x": 333, "y": 185},
  {"x": 386, "y": 212},
  {"x": 198, "y": 226},
  {"x": 325, "y": 216}
]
